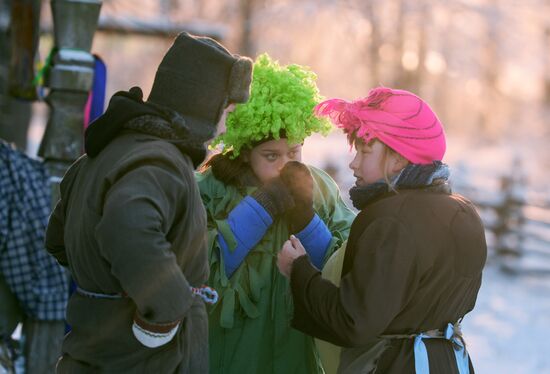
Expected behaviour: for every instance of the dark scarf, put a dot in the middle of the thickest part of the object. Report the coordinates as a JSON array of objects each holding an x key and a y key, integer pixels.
[
  {"x": 433, "y": 177},
  {"x": 127, "y": 110}
]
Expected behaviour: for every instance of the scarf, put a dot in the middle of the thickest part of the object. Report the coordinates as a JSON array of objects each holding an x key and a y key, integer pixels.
[{"x": 433, "y": 176}]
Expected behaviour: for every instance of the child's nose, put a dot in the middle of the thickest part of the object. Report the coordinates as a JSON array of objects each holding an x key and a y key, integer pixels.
[
  {"x": 284, "y": 160},
  {"x": 354, "y": 164}
]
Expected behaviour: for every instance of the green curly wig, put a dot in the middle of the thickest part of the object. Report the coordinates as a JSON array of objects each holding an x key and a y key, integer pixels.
[{"x": 281, "y": 98}]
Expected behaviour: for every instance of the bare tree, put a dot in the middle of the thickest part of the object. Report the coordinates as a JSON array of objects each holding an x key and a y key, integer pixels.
[
  {"x": 246, "y": 8},
  {"x": 491, "y": 64},
  {"x": 368, "y": 8},
  {"x": 546, "y": 52},
  {"x": 398, "y": 71},
  {"x": 18, "y": 43},
  {"x": 168, "y": 7},
  {"x": 411, "y": 78}
]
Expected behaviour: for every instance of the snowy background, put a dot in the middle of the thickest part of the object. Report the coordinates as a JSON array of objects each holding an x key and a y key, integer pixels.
[
  {"x": 484, "y": 65},
  {"x": 507, "y": 332}
]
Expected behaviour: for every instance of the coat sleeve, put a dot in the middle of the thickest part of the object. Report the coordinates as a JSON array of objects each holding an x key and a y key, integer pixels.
[
  {"x": 333, "y": 212},
  {"x": 55, "y": 244},
  {"x": 243, "y": 289},
  {"x": 55, "y": 231},
  {"x": 240, "y": 294},
  {"x": 381, "y": 281},
  {"x": 316, "y": 239},
  {"x": 248, "y": 222},
  {"x": 139, "y": 210}
]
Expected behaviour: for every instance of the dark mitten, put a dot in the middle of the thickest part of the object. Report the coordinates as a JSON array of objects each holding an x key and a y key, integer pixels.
[
  {"x": 299, "y": 181},
  {"x": 274, "y": 196}
]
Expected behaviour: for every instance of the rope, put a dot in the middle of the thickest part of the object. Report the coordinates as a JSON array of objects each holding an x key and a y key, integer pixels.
[{"x": 207, "y": 294}]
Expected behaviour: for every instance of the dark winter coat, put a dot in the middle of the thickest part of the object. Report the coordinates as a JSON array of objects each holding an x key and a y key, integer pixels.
[
  {"x": 413, "y": 263},
  {"x": 130, "y": 221}
]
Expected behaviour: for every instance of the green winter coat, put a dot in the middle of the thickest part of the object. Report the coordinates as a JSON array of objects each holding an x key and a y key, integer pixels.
[{"x": 250, "y": 325}]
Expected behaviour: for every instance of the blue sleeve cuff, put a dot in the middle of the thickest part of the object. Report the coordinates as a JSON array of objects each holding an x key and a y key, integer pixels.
[
  {"x": 248, "y": 222},
  {"x": 315, "y": 238}
]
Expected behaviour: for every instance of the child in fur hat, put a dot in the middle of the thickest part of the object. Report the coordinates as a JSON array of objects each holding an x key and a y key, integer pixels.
[
  {"x": 257, "y": 193},
  {"x": 130, "y": 224}
]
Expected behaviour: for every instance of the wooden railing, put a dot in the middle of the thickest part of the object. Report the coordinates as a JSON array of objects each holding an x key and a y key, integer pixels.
[{"x": 517, "y": 222}]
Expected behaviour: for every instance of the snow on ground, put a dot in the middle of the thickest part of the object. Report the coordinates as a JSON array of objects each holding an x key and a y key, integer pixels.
[{"x": 507, "y": 332}]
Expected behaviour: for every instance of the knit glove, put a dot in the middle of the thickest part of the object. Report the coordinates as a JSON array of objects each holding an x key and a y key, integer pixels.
[
  {"x": 274, "y": 197},
  {"x": 298, "y": 179}
]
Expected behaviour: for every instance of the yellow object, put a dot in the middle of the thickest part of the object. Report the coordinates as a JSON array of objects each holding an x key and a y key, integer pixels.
[{"x": 332, "y": 271}]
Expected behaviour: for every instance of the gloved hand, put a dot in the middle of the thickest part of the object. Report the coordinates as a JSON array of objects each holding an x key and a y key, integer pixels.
[
  {"x": 249, "y": 221},
  {"x": 274, "y": 196},
  {"x": 299, "y": 181}
]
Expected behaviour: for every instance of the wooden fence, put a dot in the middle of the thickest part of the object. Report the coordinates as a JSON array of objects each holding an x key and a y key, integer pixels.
[{"x": 517, "y": 223}]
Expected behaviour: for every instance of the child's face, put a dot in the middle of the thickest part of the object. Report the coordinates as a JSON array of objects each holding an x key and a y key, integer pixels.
[
  {"x": 370, "y": 161},
  {"x": 267, "y": 159}
]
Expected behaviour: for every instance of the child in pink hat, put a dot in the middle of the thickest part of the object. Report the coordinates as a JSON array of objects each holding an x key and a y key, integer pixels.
[
  {"x": 399, "y": 119},
  {"x": 413, "y": 262}
]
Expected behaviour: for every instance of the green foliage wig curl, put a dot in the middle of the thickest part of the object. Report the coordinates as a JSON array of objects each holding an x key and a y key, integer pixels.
[{"x": 282, "y": 98}]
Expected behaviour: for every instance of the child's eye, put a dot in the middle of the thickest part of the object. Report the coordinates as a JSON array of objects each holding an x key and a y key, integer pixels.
[
  {"x": 292, "y": 154},
  {"x": 271, "y": 156}
]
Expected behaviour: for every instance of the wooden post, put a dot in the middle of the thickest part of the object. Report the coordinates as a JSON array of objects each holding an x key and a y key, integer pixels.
[
  {"x": 508, "y": 229},
  {"x": 70, "y": 80}
]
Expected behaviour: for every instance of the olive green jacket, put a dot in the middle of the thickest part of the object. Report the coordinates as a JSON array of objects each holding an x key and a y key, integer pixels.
[{"x": 250, "y": 326}]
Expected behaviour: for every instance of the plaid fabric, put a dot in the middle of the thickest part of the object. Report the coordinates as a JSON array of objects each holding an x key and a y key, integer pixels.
[{"x": 35, "y": 278}]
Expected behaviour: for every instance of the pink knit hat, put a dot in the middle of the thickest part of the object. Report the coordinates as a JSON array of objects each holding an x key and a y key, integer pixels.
[{"x": 397, "y": 118}]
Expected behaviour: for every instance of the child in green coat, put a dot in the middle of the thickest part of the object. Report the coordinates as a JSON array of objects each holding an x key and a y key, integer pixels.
[{"x": 257, "y": 193}]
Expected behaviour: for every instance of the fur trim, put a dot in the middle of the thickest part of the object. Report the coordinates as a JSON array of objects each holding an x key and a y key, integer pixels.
[
  {"x": 239, "y": 80},
  {"x": 152, "y": 125}
]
